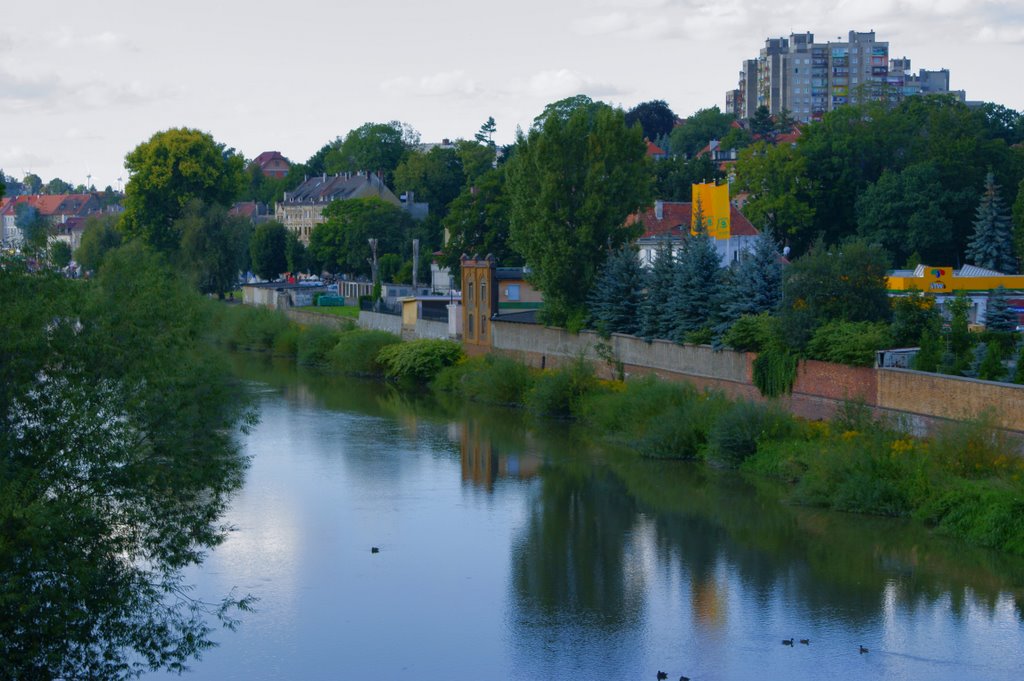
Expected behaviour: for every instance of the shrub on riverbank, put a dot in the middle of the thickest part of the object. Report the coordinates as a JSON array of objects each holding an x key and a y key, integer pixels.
[
  {"x": 559, "y": 393},
  {"x": 356, "y": 352},
  {"x": 314, "y": 345},
  {"x": 493, "y": 379},
  {"x": 735, "y": 434},
  {"x": 418, "y": 361}
]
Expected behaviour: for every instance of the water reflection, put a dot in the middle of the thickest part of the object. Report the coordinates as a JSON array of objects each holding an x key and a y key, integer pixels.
[{"x": 592, "y": 562}]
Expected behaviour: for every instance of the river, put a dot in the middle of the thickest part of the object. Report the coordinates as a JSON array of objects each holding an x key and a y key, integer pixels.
[{"x": 510, "y": 549}]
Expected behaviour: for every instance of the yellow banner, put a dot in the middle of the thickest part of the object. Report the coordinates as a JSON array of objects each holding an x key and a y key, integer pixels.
[{"x": 714, "y": 204}]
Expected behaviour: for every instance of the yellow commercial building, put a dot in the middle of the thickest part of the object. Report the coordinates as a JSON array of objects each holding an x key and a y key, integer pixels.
[{"x": 945, "y": 282}]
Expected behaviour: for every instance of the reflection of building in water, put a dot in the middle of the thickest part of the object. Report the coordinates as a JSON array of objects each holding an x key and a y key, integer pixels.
[
  {"x": 708, "y": 601},
  {"x": 482, "y": 463}
]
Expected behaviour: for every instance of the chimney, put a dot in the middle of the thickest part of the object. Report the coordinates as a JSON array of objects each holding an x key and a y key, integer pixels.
[{"x": 659, "y": 210}]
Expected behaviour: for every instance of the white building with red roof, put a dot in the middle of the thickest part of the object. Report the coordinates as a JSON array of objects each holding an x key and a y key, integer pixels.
[{"x": 670, "y": 221}]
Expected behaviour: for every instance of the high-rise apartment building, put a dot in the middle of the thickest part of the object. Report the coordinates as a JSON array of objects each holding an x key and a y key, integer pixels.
[{"x": 808, "y": 79}]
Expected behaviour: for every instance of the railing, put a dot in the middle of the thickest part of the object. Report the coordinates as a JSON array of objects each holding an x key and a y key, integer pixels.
[{"x": 381, "y": 306}]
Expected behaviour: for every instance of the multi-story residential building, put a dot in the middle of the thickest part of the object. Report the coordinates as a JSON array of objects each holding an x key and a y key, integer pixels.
[
  {"x": 57, "y": 209},
  {"x": 808, "y": 79},
  {"x": 923, "y": 83},
  {"x": 302, "y": 209}
]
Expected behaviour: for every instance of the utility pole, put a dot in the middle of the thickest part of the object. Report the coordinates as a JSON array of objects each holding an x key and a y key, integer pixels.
[
  {"x": 415, "y": 263},
  {"x": 373, "y": 264}
]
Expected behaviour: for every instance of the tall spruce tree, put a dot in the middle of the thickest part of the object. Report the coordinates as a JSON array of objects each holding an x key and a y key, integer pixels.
[
  {"x": 694, "y": 302},
  {"x": 618, "y": 294},
  {"x": 656, "y": 314},
  {"x": 991, "y": 245},
  {"x": 754, "y": 285},
  {"x": 998, "y": 315}
]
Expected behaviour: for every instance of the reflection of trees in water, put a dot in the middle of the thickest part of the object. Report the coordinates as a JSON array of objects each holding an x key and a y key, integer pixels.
[
  {"x": 572, "y": 558},
  {"x": 826, "y": 563}
]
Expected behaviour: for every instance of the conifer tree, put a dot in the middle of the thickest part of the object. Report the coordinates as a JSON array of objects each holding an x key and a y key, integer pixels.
[
  {"x": 998, "y": 315},
  {"x": 695, "y": 298},
  {"x": 754, "y": 285},
  {"x": 618, "y": 293},
  {"x": 991, "y": 245},
  {"x": 655, "y": 311}
]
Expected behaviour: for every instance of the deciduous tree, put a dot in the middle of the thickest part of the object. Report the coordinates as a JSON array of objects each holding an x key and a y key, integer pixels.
[
  {"x": 655, "y": 118},
  {"x": 99, "y": 236},
  {"x": 340, "y": 243},
  {"x": 572, "y": 182},
  {"x": 167, "y": 173},
  {"x": 267, "y": 249},
  {"x": 119, "y": 459}
]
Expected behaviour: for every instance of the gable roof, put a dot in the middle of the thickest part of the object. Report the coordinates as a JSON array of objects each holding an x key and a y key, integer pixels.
[
  {"x": 327, "y": 188},
  {"x": 50, "y": 205},
  {"x": 267, "y": 156},
  {"x": 654, "y": 151},
  {"x": 675, "y": 221}
]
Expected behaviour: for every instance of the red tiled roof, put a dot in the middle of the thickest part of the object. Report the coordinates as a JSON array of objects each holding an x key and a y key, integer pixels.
[
  {"x": 268, "y": 156},
  {"x": 49, "y": 205},
  {"x": 654, "y": 150},
  {"x": 675, "y": 218}
]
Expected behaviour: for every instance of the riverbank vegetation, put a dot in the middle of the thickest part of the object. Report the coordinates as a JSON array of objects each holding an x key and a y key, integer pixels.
[
  {"x": 965, "y": 479},
  {"x": 117, "y": 460}
]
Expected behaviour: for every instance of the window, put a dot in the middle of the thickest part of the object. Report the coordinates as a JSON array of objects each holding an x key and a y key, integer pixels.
[
  {"x": 512, "y": 292},
  {"x": 469, "y": 326},
  {"x": 484, "y": 307},
  {"x": 469, "y": 299}
]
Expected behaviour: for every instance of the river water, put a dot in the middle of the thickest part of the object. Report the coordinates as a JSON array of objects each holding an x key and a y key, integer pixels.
[{"x": 510, "y": 549}]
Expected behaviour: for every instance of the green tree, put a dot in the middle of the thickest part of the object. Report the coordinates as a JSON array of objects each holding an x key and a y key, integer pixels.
[
  {"x": 913, "y": 316},
  {"x": 618, "y": 293},
  {"x": 340, "y": 243},
  {"x": 572, "y": 183},
  {"x": 697, "y": 130},
  {"x": 845, "y": 282},
  {"x": 695, "y": 293},
  {"x": 485, "y": 135},
  {"x": 435, "y": 177},
  {"x": 478, "y": 223},
  {"x": 57, "y": 186},
  {"x": 655, "y": 118},
  {"x": 268, "y": 250},
  {"x": 754, "y": 284},
  {"x": 295, "y": 254},
  {"x": 169, "y": 171},
  {"x": 476, "y": 159},
  {"x": 119, "y": 460},
  {"x": 213, "y": 244},
  {"x": 99, "y": 236},
  {"x": 35, "y": 229},
  {"x": 657, "y": 315},
  {"x": 674, "y": 177},
  {"x": 903, "y": 211},
  {"x": 373, "y": 147},
  {"x": 780, "y": 192},
  {"x": 60, "y": 254},
  {"x": 33, "y": 183},
  {"x": 999, "y": 318},
  {"x": 991, "y": 245}
]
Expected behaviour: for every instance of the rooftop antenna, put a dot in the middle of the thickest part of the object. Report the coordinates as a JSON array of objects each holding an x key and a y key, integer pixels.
[{"x": 88, "y": 181}]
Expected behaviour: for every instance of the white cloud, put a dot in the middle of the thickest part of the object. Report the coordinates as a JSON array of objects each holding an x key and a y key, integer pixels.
[
  {"x": 563, "y": 83},
  {"x": 603, "y": 24},
  {"x": 1001, "y": 34},
  {"x": 14, "y": 160},
  {"x": 442, "y": 84},
  {"x": 49, "y": 93},
  {"x": 66, "y": 38}
]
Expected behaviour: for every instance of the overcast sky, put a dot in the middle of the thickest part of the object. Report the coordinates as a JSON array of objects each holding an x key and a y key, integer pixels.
[{"x": 84, "y": 82}]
